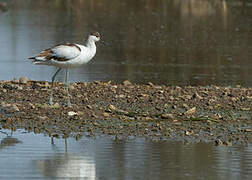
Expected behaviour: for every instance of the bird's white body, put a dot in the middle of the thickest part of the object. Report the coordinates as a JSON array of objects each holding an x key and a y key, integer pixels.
[
  {"x": 65, "y": 56},
  {"x": 72, "y": 55}
]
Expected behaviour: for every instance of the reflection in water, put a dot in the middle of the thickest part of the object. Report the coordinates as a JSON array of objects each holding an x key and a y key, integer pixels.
[
  {"x": 172, "y": 42},
  {"x": 67, "y": 167},
  {"x": 8, "y": 140},
  {"x": 104, "y": 158}
]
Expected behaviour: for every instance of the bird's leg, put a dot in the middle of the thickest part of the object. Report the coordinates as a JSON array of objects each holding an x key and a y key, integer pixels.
[
  {"x": 51, "y": 94},
  {"x": 67, "y": 89}
]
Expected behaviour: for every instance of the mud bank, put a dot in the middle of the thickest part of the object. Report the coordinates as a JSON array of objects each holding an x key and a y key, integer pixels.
[{"x": 222, "y": 115}]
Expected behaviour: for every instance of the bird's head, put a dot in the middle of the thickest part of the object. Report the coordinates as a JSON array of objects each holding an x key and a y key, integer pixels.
[{"x": 95, "y": 36}]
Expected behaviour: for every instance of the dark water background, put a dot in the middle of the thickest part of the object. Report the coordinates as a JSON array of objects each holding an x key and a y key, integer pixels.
[
  {"x": 28, "y": 156},
  {"x": 174, "y": 42}
]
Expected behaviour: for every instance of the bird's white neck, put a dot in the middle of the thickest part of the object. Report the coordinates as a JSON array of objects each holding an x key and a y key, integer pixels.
[{"x": 90, "y": 43}]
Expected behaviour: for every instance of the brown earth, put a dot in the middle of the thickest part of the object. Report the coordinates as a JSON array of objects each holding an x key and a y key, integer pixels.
[{"x": 222, "y": 115}]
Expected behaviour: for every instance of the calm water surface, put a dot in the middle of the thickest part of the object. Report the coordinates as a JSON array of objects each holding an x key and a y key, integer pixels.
[
  {"x": 28, "y": 156},
  {"x": 196, "y": 42}
]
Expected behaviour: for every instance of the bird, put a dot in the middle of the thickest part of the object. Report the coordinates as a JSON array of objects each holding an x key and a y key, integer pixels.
[{"x": 67, "y": 56}]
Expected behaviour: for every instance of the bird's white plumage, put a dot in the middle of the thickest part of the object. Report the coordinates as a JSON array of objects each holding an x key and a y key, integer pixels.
[
  {"x": 66, "y": 51},
  {"x": 67, "y": 56}
]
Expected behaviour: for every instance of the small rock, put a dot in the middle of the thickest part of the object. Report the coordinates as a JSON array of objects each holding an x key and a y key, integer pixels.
[
  {"x": 10, "y": 107},
  {"x": 71, "y": 87},
  {"x": 112, "y": 107},
  {"x": 80, "y": 113},
  {"x": 227, "y": 143},
  {"x": 89, "y": 106},
  {"x": 143, "y": 95},
  {"x": 148, "y": 118},
  {"x": 47, "y": 84},
  {"x": 127, "y": 83},
  {"x": 171, "y": 98},
  {"x": 185, "y": 106},
  {"x": 218, "y": 142},
  {"x": 23, "y": 80},
  {"x": 42, "y": 117},
  {"x": 174, "y": 106},
  {"x": 56, "y": 105},
  {"x": 167, "y": 116},
  {"x": 105, "y": 114},
  {"x": 32, "y": 105},
  {"x": 190, "y": 111},
  {"x": 121, "y": 96},
  {"x": 248, "y": 130},
  {"x": 187, "y": 97},
  {"x": 72, "y": 113},
  {"x": 245, "y": 109},
  {"x": 166, "y": 105},
  {"x": 188, "y": 133},
  {"x": 95, "y": 116},
  {"x": 150, "y": 84},
  {"x": 14, "y": 108},
  {"x": 196, "y": 96}
]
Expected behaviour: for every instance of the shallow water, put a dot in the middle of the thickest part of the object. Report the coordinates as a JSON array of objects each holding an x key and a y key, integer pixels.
[
  {"x": 166, "y": 42},
  {"x": 25, "y": 155}
]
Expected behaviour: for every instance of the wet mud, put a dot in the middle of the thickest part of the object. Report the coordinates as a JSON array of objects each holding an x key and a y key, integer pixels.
[{"x": 221, "y": 115}]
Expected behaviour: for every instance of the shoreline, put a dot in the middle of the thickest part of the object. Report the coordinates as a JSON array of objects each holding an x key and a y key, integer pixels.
[{"x": 221, "y": 115}]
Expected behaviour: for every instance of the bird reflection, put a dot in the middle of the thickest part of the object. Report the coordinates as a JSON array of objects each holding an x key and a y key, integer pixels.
[
  {"x": 54, "y": 147},
  {"x": 8, "y": 140},
  {"x": 66, "y": 165}
]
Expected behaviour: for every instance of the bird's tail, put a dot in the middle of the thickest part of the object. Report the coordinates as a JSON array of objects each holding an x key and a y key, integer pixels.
[{"x": 35, "y": 60}]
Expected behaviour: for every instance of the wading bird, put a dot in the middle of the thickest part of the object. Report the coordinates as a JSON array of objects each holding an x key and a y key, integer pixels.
[{"x": 66, "y": 56}]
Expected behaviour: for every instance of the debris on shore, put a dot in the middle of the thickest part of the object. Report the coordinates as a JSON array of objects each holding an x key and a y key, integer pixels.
[{"x": 192, "y": 114}]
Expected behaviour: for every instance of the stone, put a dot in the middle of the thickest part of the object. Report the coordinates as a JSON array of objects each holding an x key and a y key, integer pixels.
[
  {"x": 190, "y": 111},
  {"x": 89, "y": 106},
  {"x": 196, "y": 96},
  {"x": 112, "y": 107},
  {"x": 127, "y": 83},
  {"x": 72, "y": 113},
  {"x": 105, "y": 114},
  {"x": 167, "y": 116},
  {"x": 23, "y": 80}
]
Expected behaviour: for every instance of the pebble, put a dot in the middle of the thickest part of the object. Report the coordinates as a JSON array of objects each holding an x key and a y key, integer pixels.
[
  {"x": 196, "y": 96},
  {"x": 190, "y": 111},
  {"x": 218, "y": 142},
  {"x": 10, "y": 107},
  {"x": 105, "y": 114},
  {"x": 150, "y": 84},
  {"x": 23, "y": 80},
  {"x": 42, "y": 117},
  {"x": 89, "y": 106},
  {"x": 148, "y": 118},
  {"x": 167, "y": 116},
  {"x": 72, "y": 113},
  {"x": 112, "y": 107},
  {"x": 127, "y": 83}
]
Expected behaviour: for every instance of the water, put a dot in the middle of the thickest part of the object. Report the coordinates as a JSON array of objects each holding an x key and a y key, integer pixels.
[
  {"x": 177, "y": 42},
  {"x": 28, "y": 156},
  {"x": 173, "y": 42}
]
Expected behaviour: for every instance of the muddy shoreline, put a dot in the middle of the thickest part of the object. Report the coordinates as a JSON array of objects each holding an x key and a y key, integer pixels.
[{"x": 221, "y": 115}]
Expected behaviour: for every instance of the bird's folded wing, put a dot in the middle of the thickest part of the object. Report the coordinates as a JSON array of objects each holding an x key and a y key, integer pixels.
[{"x": 61, "y": 52}]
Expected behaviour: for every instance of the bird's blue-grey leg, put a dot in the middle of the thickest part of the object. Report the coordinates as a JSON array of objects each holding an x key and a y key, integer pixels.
[
  {"x": 67, "y": 88},
  {"x": 53, "y": 78}
]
